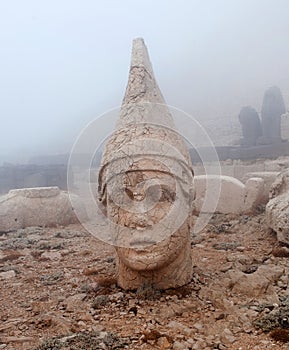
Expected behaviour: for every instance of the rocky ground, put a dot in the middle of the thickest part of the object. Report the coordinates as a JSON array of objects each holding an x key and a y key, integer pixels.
[{"x": 58, "y": 291}]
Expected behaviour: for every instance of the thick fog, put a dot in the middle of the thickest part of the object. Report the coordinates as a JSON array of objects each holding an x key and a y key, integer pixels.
[{"x": 63, "y": 63}]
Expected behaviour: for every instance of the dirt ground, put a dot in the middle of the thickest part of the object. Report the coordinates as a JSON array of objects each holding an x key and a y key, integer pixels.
[{"x": 58, "y": 291}]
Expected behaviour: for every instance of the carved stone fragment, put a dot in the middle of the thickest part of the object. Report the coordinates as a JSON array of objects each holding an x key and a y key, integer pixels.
[{"x": 40, "y": 206}]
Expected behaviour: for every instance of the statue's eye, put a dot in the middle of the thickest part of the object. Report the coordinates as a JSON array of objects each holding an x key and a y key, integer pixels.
[
  {"x": 160, "y": 193},
  {"x": 129, "y": 193},
  {"x": 167, "y": 194}
]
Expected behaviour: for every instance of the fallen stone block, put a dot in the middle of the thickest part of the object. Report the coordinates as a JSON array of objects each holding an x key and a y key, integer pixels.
[
  {"x": 225, "y": 194},
  {"x": 41, "y": 206},
  {"x": 258, "y": 284},
  {"x": 277, "y": 215},
  {"x": 268, "y": 176}
]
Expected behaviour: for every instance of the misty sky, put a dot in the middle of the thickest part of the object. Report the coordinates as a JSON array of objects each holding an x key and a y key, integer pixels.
[{"x": 64, "y": 62}]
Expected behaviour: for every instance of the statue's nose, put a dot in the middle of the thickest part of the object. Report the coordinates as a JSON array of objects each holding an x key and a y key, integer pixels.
[
  {"x": 139, "y": 196},
  {"x": 141, "y": 221}
]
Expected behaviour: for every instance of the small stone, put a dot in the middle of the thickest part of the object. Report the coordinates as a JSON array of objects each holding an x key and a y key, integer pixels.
[
  {"x": 81, "y": 324},
  {"x": 265, "y": 342},
  {"x": 251, "y": 314},
  {"x": 198, "y": 245},
  {"x": 18, "y": 339},
  {"x": 132, "y": 302},
  {"x": 227, "y": 337},
  {"x": 240, "y": 249},
  {"x": 179, "y": 327},
  {"x": 103, "y": 335},
  {"x": 73, "y": 302},
  {"x": 51, "y": 255},
  {"x": 226, "y": 267},
  {"x": 179, "y": 346},
  {"x": 210, "y": 339},
  {"x": 100, "y": 301},
  {"x": 7, "y": 274},
  {"x": 64, "y": 339},
  {"x": 116, "y": 296},
  {"x": 198, "y": 326},
  {"x": 222, "y": 347},
  {"x": 163, "y": 343},
  {"x": 200, "y": 344},
  {"x": 98, "y": 328}
]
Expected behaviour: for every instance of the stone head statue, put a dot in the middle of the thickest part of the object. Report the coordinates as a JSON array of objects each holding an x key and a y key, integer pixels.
[
  {"x": 146, "y": 186},
  {"x": 251, "y": 126},
  {"x": 272, "y": 108}
]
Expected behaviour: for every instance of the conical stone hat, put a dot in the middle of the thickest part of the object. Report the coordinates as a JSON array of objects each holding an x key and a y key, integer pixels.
[{"x": 145, "y": 128}]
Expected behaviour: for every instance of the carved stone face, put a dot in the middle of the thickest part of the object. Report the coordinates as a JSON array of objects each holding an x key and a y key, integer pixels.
[{"x": 139, "y": 203}]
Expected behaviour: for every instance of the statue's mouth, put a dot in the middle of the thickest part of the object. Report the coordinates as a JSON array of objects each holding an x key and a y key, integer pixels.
[
  {"x": 141, "y": 242},
  {"x": 142, "y": 227}
]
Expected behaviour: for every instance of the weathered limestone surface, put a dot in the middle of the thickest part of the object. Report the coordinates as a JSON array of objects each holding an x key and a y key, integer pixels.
[
  {"x": 234, "y": 197},
  {"x": 42, "y": 206},
  {"x": 258, "y": 284},
  {"x": 272, "y": 108},
  {"x": 277, "y": 209},
  {"x": 251, "y": 126},
  {"x": 145, "y": 178}
]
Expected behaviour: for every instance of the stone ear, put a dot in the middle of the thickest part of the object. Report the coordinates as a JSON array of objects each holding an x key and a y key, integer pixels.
[{"x": 102, "y": 203}]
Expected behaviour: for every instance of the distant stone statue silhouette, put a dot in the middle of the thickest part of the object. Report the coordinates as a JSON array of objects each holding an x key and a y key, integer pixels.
[
  {"x": 272, "y": 108},
  {"x": 251, "y": 126},
  {"x": 146, "y": 186}
]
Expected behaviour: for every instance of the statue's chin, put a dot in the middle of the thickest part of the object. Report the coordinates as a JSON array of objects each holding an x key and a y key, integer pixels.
[
  {"x": 143, "y": 259},
  {"x": 149, "y": 258}
]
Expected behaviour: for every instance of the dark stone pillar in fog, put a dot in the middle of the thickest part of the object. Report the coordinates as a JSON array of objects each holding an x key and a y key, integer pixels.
[
  {"x": 272, "y": 108},
  {"x": 251, "y": 126}
]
